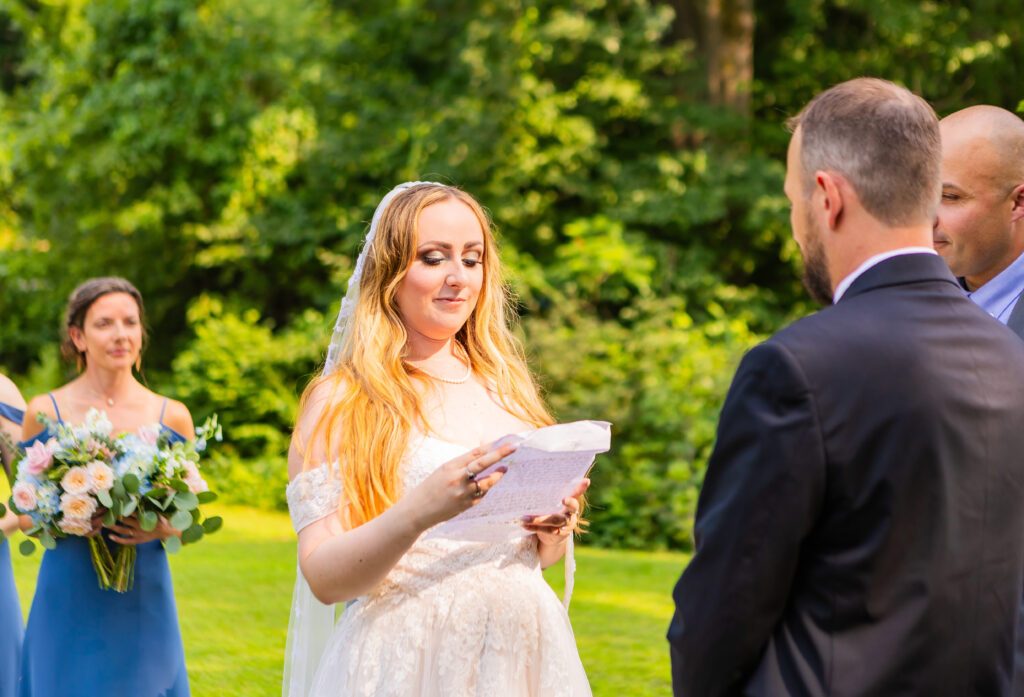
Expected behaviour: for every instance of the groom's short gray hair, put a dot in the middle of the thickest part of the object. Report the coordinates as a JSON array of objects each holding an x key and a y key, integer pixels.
[{"x": 883, "y": 139}]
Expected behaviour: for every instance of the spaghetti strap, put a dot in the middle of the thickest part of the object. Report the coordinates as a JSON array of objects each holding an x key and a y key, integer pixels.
[
  {"x": 55, "y": 407},
  {"x": 175, "y": 437}
]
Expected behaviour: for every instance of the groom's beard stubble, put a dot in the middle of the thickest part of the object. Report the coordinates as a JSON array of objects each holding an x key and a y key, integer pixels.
[{"x": 815, "y": 277}]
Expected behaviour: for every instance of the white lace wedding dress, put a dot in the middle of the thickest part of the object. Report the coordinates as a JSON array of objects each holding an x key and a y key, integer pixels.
[{"x": 451, "y": 619}]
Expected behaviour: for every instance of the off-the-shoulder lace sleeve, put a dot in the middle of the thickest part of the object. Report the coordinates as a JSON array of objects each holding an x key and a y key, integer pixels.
[{"x": 312, "y": 495}]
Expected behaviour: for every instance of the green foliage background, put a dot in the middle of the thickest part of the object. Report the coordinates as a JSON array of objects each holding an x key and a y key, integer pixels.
[{"x": 227, "y": 155}]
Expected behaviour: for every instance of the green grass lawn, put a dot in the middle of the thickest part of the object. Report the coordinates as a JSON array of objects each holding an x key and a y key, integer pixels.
[{"x": 234, "y": 592}]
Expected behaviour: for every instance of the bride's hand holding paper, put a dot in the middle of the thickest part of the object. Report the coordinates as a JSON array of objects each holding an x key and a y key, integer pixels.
[
  {"x": 456, "y": 485},
  {"x": 555, "y": 528},
  {"x": 548, "y": 469}
]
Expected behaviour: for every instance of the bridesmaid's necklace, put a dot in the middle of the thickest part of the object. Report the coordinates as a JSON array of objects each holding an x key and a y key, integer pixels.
[
  {"x": 108, "y": 400},
  {"x": 97, "y": 394}
]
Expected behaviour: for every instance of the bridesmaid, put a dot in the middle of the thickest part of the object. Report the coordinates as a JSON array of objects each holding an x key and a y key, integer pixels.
[
  {"x": 12, "y": 408},
  {"x": 81, "y": 640}
]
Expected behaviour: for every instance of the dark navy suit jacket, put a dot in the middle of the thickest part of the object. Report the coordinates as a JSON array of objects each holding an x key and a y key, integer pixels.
[{"x": 860, "y": 530}]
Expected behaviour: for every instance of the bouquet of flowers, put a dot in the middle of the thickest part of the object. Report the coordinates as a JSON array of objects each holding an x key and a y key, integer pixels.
[{"x": 84, "y": 473}]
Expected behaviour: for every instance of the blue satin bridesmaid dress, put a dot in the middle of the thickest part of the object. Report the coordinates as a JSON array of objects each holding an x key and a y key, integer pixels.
[
  {"x": 10, "y": 609},
  {"x": 81, "y": 641}
]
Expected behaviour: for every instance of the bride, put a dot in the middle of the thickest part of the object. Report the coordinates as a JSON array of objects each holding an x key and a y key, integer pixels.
[{"x": 422, "y": 376}]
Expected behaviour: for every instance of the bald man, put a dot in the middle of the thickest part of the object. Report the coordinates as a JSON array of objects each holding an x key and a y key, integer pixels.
[
  {"x": 980, "y": 229},
  {"x": 980, "y": 226}
]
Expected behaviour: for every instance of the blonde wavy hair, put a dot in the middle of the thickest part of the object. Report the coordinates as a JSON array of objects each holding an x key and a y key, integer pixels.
[{"x": 372, "y": 405}]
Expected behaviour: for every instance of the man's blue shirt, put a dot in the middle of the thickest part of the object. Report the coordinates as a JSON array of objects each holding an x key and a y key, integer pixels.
[{"x": 999, "y": 296}]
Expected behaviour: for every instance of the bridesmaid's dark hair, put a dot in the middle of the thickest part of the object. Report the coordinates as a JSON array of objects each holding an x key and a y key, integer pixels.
[{"x": 82, "y": 299}]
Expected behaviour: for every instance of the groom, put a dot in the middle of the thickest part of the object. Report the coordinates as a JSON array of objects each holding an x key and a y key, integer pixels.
[{"x": 860, "y": 530}]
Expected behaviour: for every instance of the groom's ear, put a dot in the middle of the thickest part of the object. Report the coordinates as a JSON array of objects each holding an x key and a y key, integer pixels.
[{"x": 830, "y": 188}]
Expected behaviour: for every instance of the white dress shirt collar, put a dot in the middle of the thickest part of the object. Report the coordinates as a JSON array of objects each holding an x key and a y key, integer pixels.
[{"x": 844, "y": 285}]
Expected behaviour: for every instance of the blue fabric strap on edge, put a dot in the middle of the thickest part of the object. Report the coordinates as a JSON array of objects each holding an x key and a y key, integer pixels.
[
  {"x": 55, "y": 407},
  {"x": 12, "y": 413}
]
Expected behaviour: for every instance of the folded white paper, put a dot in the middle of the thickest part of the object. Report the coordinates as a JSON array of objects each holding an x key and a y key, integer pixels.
[{"x": 545, "y": 468}]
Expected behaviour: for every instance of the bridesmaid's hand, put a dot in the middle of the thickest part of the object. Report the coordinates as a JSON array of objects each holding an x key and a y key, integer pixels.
[
  {"x": 9, "y": 523},
  {"x": 97, "y": 522},
  {"x": 555, "y": 528},
  {"x": 128, "y": 531}
]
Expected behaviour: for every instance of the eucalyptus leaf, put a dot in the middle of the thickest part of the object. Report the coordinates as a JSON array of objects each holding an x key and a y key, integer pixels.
[
  {"x": 118, "y": 490},
  {"x": 131, "y": 483},
  {"x": 148, "y": 520},
  {"x": 47, "y": 541},
  {"x": 3, "y": 512},
  {"x": 179, "y": 485},
  {"x": 186, "y": 500},
  {"x": 192, "y": 534},
  {"x": 172, "y": 544},
  {"x": 104, "y": 498},
  {"x": 109, "y": 518},
  {"x": 206, "y": 497},
  {"x": 27, "y": 547},
  {"x": 181, "y": 520},
  {"x": 212, "y": 525},
  {"x": 128, "y": 507}
]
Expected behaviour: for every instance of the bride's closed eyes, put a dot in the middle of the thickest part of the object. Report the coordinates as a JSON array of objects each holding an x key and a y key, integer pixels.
[{"x": 436, "y": 259}]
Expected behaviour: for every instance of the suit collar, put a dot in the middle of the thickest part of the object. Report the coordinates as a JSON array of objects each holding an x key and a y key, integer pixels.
[
  {"x": 844, "y": 285},
  {"x": 899, "y": 270}
]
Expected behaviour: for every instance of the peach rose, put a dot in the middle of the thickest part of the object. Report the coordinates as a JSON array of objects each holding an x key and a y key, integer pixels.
[
  {"x": 102, "y": 475},
  {"x": 76, "y": 481},
  {"x": 80, "y": 506},
  {"x": 75, "y": 526}
]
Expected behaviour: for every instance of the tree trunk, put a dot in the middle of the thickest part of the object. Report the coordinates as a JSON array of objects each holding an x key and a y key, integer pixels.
[
  {"x": 729, "y": 30},
  {"x": 724, "y": 34}
]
